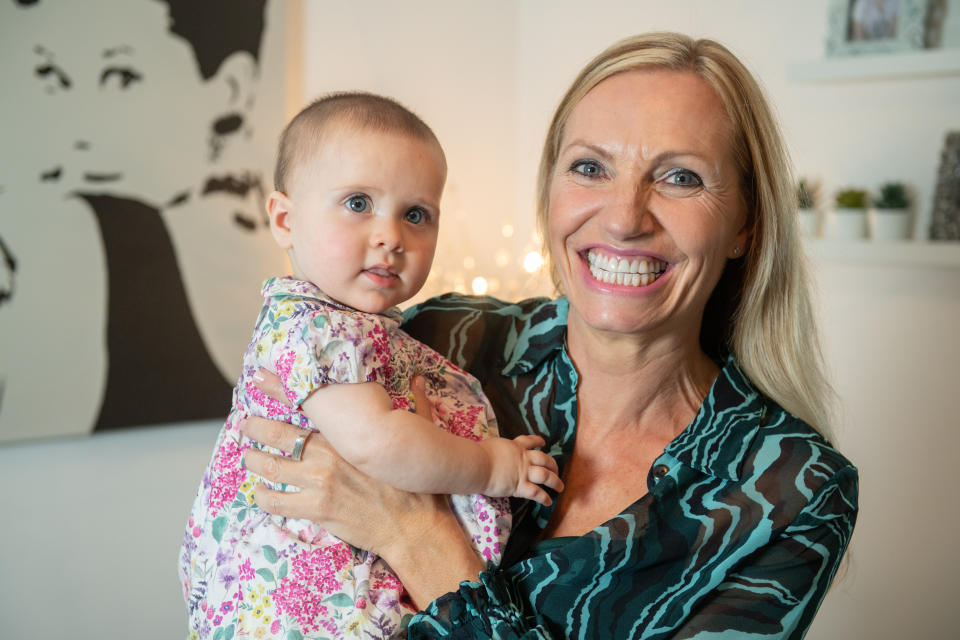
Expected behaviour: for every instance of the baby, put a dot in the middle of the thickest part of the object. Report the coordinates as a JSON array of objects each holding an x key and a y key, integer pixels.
[{"x": 357, "y": 206}]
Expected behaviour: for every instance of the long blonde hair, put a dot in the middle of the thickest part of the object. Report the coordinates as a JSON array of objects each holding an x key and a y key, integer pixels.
[{"x": 761, "y": 310}]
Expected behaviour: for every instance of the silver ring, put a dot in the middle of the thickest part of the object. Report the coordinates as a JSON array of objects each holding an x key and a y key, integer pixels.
[{"x": 298, "y": 445}]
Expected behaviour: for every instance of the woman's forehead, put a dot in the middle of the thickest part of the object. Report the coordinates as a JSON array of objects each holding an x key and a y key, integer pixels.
[{"x": 660, "y": 107}]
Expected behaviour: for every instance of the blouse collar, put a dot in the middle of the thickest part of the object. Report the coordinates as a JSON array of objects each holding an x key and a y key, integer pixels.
[
  {"x": 290, "y": 287},
  {"x": 717, "y": 439}
]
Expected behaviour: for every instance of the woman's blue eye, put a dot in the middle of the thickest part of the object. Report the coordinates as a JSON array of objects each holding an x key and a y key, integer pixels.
[
  {"x": 683, "y": 178},
  {"x": 588, "y": 168},
  {"x": 358, "y": 204},
  {"x": 416, "y": 216}
]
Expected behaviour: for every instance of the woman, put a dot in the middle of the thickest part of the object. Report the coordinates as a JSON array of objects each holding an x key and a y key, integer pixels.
[{"x": 677, "y": 383}]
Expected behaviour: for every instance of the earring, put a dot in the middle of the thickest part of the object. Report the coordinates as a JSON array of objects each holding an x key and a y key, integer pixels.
[{"x": 736, "y": 251}]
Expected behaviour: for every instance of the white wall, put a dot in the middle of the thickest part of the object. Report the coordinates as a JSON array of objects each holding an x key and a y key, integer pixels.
[
  {"x": 486, "y": 76},
  {"x": 91, "y": 531}
]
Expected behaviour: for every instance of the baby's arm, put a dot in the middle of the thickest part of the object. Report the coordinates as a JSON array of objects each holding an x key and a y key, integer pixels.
[{"x": 411, "y": 453}]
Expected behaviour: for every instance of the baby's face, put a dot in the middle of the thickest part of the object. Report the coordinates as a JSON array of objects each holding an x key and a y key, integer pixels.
[{"x": 365, "y": 212}]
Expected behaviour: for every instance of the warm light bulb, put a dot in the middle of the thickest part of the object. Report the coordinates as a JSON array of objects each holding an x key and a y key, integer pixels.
[
  {"x": 532, "y": 261},
  {"x": 502, "y": 259},
  {"x": 469, "y": 263},
  {"x": 507, "y": 231},
  {"x": 479, "y": 285}
]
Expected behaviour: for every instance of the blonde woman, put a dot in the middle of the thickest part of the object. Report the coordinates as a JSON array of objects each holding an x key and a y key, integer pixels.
[{"x": 676, "y": 381}]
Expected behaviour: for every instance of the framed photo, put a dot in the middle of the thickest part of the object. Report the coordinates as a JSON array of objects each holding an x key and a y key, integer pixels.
[
  {"x": 875, "y": 26},
  {"x": 945, "y": 221}
]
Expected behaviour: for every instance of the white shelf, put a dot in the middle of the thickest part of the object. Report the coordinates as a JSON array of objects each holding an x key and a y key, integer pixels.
[
  {"x": 910, "y": 253},
  {"x": 936, "y": 62}
]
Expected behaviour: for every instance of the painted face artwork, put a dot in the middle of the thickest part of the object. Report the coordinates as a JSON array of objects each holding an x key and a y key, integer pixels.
[
  {"x": 364, "y": 216},
  {"x": 129, "y": 195},
  {"x": 645, "y": 207}
]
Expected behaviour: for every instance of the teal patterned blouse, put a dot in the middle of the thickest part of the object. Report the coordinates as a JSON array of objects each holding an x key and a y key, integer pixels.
[{"x": 738, "y": 533}]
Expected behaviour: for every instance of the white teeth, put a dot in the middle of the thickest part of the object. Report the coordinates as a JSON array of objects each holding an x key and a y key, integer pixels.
[{"x": 623, "y": 271}]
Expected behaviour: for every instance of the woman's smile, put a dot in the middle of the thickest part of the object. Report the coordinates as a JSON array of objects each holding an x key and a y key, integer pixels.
[{"x": 625, "y": 270}]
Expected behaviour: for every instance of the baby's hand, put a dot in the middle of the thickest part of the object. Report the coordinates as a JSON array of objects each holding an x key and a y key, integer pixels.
[{"x": 517, "y": 468}]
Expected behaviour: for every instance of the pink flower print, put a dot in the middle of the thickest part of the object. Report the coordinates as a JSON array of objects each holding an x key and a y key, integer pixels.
[
  {"x": 284, "y": 366},
  {"x": 246, "y": 571},
  {"x": 361, "y": 603},
  {"x": 401, "y": 402},
  {"x": 463, "y": 423},
  {"x": 275, "y": 627},
  {"x": 228, "y": 474},
  {"x": 312, "y": 577},
  {"x": 273, "y": 407},
  {"x": 388, "y": 582}
]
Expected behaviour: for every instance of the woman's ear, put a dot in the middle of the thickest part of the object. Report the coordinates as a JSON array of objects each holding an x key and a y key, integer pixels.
[{"x": 279, "y": 208}]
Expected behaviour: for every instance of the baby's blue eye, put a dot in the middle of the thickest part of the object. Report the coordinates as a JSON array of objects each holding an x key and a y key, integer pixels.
[
  {"x": 416, "y": 216},
  {"x": 358, "y": 204}
]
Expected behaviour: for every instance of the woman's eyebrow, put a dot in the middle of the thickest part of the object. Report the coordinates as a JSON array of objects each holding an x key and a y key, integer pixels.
[{"x": 600, "y": 151}]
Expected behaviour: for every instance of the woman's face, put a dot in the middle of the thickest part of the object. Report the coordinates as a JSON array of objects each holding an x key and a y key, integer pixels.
[{"x": 645, "y": 204}]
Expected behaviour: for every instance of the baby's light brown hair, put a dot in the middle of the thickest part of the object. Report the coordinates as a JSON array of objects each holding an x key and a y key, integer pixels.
[{"x": 304, "y": 133}]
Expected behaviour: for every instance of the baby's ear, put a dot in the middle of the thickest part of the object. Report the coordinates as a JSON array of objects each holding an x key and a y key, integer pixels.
[{"x": 279, "y": 208}]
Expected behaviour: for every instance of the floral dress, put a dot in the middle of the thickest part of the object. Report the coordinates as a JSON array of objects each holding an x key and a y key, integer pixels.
[{"x": 246, "y": 573}]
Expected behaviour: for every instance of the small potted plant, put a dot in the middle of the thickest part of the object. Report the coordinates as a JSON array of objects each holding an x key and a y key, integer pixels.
[
  {"x": 849, "y": 220},
  {"x": 891, "y": 215},
  {"x": 808, "y": 196}
]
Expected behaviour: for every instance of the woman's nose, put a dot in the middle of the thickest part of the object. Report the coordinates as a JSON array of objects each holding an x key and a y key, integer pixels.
[
  {"x": 387, "y": 235},
  {"x": 627, "y": 213}
]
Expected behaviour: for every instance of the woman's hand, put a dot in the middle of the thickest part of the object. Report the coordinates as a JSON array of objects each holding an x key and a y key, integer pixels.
[{"x": 416, "y": 534}]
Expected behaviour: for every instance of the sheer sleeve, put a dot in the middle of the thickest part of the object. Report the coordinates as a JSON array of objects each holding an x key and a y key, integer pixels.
[
  {"x": 487, "y": 608},
  {"x": 776, "y": 591}
]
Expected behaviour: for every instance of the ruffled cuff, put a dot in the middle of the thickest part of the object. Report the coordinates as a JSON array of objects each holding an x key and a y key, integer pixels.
[{"x": 489, "y": 608}]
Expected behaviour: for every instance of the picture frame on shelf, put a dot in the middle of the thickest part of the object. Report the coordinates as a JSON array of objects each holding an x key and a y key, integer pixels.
[
  {"x": 945, "y": 219},
  {"x": 876, "y": 26}
]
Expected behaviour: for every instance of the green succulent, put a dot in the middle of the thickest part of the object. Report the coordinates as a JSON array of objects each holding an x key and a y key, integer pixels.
[
  {"x": 851, "y": 198},
  {"x": 893, "y": 195}
]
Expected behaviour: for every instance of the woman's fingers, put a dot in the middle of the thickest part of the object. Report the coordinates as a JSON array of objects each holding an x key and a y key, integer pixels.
[
  {"x": 270, "y": 383},
  {"x": 271, "y": 467},
  {"x": 287, "y": 504},
  {"x": 273, "y": 433}
]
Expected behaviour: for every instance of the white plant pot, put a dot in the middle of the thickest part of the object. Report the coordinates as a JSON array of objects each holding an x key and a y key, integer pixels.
[
  {"x": 847, "y": 224},
  {"x": 890, "y": 224},
  {"x": 809, "y": 222}
]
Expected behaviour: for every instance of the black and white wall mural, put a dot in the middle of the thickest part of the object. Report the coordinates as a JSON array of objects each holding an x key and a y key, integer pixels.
[{"x": 136, "y": 144}]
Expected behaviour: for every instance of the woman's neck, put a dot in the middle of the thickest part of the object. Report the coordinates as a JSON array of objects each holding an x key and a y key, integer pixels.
[{"x": 655, "y": 385}]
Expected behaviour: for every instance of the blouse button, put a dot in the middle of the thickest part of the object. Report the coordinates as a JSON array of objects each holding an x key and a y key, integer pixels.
[{"x": 660, "y": 470}]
